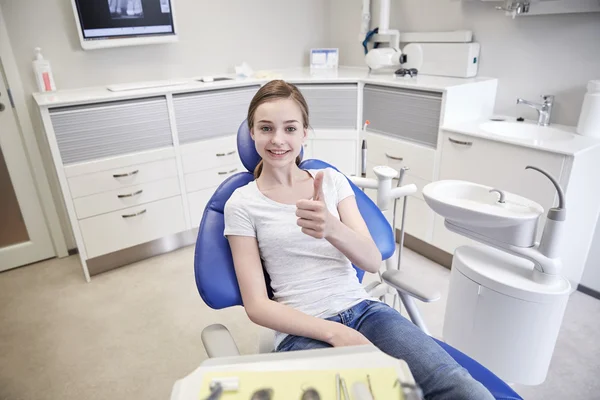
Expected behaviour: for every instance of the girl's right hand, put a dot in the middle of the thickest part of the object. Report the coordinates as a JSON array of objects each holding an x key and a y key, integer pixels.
[{"x": 344, "y": 336}]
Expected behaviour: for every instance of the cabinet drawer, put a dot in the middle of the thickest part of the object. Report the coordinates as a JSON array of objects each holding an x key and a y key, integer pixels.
[
  {"x": 382, "y": 150},
  {"x": 209, "y": 154},
  {"x": 211, "y": 113},
  {"x": 332, "y": 106},
  {"x": 198, "y": 201},
  {"x": 408, "y": 114},
  {"x": 211, "y": 177},
  {"x": 120, "y": 178},
  {"x": 95, "y": 131},
  {"x": 129, "y": 196},
  {"x": 117, "y": 230}
]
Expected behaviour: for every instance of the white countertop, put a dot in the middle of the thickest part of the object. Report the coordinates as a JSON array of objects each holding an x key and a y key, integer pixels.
[
  {"x": 295, "y": 75},
  {"x": 571, "y": 146}
]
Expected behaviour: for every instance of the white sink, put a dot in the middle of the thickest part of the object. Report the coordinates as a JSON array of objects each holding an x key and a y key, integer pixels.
[
  {"x": 470, "y": 206},
  {"x": 525, "y": 130}
]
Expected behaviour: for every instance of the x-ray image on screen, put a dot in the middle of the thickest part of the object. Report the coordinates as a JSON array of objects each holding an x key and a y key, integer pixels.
[{"x": 126, "y": 9}]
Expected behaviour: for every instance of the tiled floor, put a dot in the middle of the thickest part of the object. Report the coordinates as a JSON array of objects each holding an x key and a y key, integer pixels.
[{"x": 132, "y": 332}]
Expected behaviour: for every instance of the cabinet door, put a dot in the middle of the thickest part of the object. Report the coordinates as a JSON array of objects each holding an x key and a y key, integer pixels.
[
  {"x": 412, "y": 115},
  {"x": 498, "y": 165},
  {"x": 96, "y": 131},
  {"x": 332, "y": 106},
  {"x": 211, "y": 113},
  {"x": 339, "y": 153}
]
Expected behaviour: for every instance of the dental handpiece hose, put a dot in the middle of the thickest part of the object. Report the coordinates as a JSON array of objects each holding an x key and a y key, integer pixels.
[{"x": 363, "y": 153}]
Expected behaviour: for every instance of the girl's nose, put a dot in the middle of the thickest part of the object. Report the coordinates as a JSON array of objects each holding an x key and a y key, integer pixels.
[{"x": 277, "y": 137}]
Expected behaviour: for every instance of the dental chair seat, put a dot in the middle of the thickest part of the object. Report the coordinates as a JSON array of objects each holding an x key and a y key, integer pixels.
[{"x": 215, "y": 274}]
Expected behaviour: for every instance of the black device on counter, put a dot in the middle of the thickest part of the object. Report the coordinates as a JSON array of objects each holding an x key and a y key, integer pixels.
[{"x": 407, "y": 71}]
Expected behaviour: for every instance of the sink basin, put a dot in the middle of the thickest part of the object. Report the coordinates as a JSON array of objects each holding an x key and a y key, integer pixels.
[
  {"x": 525, "y": 130},
  {"x": 471, "y": 207}
]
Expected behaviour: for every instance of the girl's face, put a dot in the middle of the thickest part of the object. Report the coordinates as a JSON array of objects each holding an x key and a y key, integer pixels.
[{"x": 278, "y": 132}]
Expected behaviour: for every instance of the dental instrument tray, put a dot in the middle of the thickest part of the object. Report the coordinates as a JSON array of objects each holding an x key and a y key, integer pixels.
[{"x": 293, "y": 384}]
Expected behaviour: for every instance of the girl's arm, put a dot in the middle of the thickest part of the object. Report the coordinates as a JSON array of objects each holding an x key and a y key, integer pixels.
[
  {"x": 349, "y": 234},
  {"x": 263, "y": 311}
]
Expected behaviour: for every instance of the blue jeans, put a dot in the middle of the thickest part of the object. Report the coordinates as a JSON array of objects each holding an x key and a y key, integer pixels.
[{"x": 438, "y": 375}]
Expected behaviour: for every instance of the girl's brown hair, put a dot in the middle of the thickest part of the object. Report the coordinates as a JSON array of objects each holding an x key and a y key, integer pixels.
[{"x": 276, "y": 90}]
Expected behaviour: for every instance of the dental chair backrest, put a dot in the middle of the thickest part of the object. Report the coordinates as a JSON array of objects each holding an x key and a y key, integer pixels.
[{"x": 213, "y": 263}]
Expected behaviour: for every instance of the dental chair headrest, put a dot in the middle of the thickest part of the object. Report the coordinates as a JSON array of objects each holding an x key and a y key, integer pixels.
[{"x": 246, "y": 149}]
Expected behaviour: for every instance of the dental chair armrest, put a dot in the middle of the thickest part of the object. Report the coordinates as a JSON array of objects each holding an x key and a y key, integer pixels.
[
  {"x": 402, "y": 282},
  {"x": 218, "y": 342}
]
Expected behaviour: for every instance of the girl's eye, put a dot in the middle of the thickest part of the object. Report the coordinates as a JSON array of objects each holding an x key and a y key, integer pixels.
[
  {"x": 265, "y": 128},
  {"x": 291, "y": 129}
]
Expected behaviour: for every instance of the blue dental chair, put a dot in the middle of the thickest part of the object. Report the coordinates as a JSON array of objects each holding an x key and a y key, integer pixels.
[{"x": 215, "y": 274}]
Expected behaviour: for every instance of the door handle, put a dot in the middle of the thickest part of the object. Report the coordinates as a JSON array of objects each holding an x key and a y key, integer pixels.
[
  {"x": 226, "y": 154},
  {"x": 130, "y": 194},
  {"x": 2, "y": 107},
  {"x": 394, "y": 158},
  {"x": 461, "y": 142},
  {"x": 134, "y": 214},
  {"x": 126, "y": 174}
]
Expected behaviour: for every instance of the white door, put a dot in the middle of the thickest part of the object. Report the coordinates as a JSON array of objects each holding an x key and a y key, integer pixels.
[{"x": 24, "y": 235}]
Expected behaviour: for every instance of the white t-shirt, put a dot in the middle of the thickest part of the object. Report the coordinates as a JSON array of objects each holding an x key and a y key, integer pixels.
[{"x": 307, "y": 274}]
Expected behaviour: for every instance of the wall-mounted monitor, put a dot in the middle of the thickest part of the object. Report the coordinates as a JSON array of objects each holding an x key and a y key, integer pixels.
[{"x": 115, "y": 23}]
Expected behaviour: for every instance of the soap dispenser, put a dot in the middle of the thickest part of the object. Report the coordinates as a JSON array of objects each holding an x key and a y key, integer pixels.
[{"x": 43, "y": 72}]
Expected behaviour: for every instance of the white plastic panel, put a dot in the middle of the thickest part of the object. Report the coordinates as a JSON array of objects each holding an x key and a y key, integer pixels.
[
  {"x": 406, "y": 114},
  {"x": 97, "y": 131},
  {"x": 211, "y": 113},
  {"x": 331, "y": 106}
]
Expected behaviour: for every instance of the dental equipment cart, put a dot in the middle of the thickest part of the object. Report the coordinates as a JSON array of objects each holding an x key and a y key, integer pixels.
[{"x": 341, "y": 359}]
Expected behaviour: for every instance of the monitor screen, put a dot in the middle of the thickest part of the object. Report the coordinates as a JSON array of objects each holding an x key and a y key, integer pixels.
[{"x": 114, "y": 19}]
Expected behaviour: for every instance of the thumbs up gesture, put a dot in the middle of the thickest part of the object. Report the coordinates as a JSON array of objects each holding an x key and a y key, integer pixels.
[{"x": 313, "y": 215}]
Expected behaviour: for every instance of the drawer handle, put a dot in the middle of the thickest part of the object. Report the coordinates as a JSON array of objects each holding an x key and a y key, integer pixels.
[
  {"x": 461, "y": 142},
  {"x": 226, "y": 154},
  {"x": 126, "y": 174},
  {"x": 121, "y": 196},
  {"x": 227, "y": 172},
  {"x": 135, "y": 214},
  {"x": 394, "y": 158}
]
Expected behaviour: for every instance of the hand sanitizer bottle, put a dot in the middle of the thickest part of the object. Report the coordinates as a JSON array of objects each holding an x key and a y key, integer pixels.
[{"x": 43, "y": 72}]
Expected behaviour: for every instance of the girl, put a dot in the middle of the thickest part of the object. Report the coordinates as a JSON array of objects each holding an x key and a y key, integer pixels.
[{"x": 306, "y": 229}]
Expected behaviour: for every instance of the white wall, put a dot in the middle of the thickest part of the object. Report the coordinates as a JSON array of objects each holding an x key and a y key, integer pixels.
[
  {"x": 546, "y": 54},
  {"x": 214, "y": 36},
  {"x": 531, "y": 56}
]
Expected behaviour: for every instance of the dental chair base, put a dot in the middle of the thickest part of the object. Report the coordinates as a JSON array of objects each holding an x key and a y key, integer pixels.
[{"x": 502, "y": 318}]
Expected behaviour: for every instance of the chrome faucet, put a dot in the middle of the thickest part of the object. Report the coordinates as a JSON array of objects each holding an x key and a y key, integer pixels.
[{"x": 544, "y": 109}]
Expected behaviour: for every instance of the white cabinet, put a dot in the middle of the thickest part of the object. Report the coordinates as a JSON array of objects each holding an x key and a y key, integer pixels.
[
  {"x": 499, "y": 165},
  {"x": 397, "y": 153},
  {"x": 206, "y": 164},
  {"x": 117, "y": 230},
  {"x": 339, "y": 153},
  {"x": 337, "y": 147}
]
